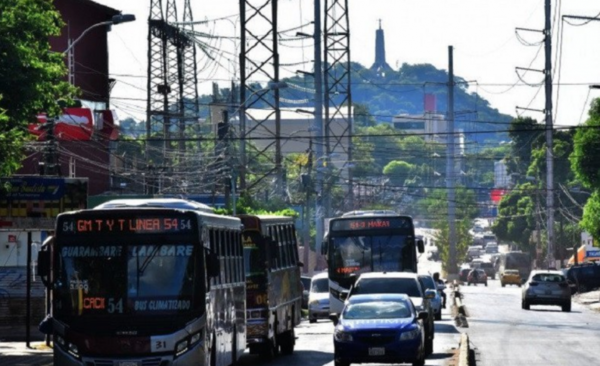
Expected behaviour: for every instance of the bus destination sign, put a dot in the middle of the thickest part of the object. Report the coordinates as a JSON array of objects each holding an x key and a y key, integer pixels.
[
  {"x": 371, "y": 223},
  {"x": 130, "y": 225}
]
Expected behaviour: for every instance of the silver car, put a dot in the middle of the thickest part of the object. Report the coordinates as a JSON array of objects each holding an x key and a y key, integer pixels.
[{"x": 546, "y": 288}]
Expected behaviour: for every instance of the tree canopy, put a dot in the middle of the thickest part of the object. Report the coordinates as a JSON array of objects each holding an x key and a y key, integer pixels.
[{"x": 30, "y": 74}]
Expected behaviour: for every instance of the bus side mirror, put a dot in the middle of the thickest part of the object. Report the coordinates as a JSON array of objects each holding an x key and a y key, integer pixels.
[
  {"x": 44, "y": 266},
  {"x": 213, "y": 266},
  {"x": 420, "y": 246}
]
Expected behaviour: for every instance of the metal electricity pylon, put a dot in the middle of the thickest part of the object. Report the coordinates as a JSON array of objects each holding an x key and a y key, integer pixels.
[
  {"x": 338, "y": 96},
  {"x": 259, "y": 108}
]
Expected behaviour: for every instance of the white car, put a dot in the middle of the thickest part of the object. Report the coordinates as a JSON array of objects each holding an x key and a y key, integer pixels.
[{"x": 318, "y": 298}]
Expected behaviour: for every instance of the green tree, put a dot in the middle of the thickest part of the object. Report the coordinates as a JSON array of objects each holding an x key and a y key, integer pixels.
[
  {"x": 30, "y": 74},
  {"x": 586, "y": 166},
  {"x": 398, "y": 171},
  {"x": 525, "y": 134}
]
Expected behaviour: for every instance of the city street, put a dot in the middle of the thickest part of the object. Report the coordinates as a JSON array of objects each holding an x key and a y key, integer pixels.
[{"x": 503, "y": 334}]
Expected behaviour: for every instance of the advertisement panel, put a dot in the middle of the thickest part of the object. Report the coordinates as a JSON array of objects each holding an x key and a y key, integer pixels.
[
  {"x": 33, "y": 202},
  {"x": 74, "y": 124}
]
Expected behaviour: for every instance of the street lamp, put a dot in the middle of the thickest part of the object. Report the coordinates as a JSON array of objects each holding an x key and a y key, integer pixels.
[{"x": 116, "y": 19}]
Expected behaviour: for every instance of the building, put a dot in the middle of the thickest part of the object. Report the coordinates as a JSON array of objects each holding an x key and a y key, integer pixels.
[
  {"x": 431, "y": 126},
  {"x": 88, "y": 70},
  {"x": 501, "y": 177}
]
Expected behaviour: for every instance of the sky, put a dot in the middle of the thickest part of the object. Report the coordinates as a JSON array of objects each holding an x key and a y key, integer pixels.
[{"x": 486, "y": 47}]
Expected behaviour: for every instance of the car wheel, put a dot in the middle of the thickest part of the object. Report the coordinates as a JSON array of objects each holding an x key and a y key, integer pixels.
[
  {"x": 312, "y": 320},
  {"x": 338, "y": 362},
  {"x": 287, "y": 342},
  {"x": 438, "y": 315},
  {"x": 503, "y": 284},
  {"x": 420, "y": 361},
  {"x": 525, "y": 305},
  {"x": 566, "y": 308}
]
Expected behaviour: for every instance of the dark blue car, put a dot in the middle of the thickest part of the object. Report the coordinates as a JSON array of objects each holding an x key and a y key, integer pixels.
[{"x": 382, "y": 328}]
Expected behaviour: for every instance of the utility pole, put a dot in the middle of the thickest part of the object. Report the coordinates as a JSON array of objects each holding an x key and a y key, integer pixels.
[
  {"x": 549, "y": 130},
  {"x": 318, "y": 126},
  {"x": 450, "y": 171}
]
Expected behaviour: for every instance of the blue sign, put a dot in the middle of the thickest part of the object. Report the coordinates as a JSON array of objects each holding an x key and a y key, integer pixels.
[
  {"x": 34, "y": 188},
  {"x": 592, "y": 253}
]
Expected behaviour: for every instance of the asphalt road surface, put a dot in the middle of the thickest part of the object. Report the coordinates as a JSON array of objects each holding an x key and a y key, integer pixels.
[
  {"x": 504, "y": 334},
  {"x": 314, "y": 345}
]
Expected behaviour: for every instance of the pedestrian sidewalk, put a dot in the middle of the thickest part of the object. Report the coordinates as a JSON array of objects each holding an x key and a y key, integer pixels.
[
  {"x": 590, "y": 299},
  {"x": 17, "y": 354}
]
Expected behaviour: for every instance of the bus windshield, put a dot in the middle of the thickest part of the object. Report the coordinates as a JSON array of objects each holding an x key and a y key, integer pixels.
[
  {"x": 127, "y": 279},
  {"x": 361, "y": 254}
]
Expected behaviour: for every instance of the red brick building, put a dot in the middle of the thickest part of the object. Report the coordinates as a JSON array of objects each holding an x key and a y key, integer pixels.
[{"x": 90, "y": 158}]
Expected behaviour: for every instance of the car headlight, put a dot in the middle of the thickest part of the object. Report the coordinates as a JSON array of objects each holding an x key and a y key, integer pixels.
[
  {"x": 342, "y": 336},
  {"x": 409, "y": 334},
  {"x": 314, "y": 303}
]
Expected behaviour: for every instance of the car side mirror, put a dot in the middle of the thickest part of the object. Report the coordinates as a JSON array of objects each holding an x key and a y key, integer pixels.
[
  {"x": 334, "y": 318},
  {"x": 420, "y": 246},
  {"x": 43, "y": 266},
  {"x": 422, "y": 315},
  {"x": 430, "y": 294}
]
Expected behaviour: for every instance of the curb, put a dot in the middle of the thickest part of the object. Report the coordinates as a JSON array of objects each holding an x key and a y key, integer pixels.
[
  {"x": 463, "y": 355},
  {"x": 459, "y": 310}
]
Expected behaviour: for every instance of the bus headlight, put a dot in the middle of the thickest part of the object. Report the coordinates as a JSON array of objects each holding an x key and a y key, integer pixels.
[
  {"x": 195, "y": 338},
  {"x": 73, "y": 350},
  {"x": 181, "y": 347}
]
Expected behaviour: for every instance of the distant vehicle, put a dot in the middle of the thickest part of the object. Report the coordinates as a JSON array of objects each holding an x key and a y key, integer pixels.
[
  {"x": 585, "y": 277},
  {"x": 511, "y": 277},
  {"x": 380, "y": 329},
  {"x": 400, "y": 283},
  {"x": 491, "y": 249},
  {"x": 428, "y": 283},
  {"x": 273, "y": 287},
  {"x": 474, "y": 251},
  {"x": 318, "y": 300},
  {"x": 463, "y": 274},
  {"x": 367, "y": 241},
  {"x": 477, "y": 276},
  {"x": 515, "y": 260},
  {"x": 546, "y": 288},
  {"x": 488, "y": 268}
]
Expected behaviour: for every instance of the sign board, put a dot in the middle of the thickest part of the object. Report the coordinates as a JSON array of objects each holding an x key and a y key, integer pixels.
[
  {"x": 592, "y": 253},
  {"x": 33, "y": 202},
  {"x": 371, "y": 223}
]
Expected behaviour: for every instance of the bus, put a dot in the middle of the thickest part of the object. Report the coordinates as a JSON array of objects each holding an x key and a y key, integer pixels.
[
  {"x": 134, "y": 283},
  {"x": 367, "y": 241},
  {"x": 273, "y": 285},
  {"x": 514, "y": 260}
]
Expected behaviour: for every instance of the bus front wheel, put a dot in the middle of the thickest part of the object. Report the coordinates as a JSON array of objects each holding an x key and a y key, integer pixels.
[{"x": 288, "y": 339}]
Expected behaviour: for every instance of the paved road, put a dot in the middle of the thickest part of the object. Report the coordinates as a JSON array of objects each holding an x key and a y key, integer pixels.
[
  {"x": 504, "y": 334},
  {"x": 314, "y": 345}
]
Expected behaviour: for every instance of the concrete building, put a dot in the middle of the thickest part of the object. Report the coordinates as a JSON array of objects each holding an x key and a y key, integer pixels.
[{"x": 501, "y": 177}]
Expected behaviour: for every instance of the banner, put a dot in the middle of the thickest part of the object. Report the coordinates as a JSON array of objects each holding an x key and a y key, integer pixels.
[
  {"x": 497, "y": 194},
  {"x": 74, "y": 124}
]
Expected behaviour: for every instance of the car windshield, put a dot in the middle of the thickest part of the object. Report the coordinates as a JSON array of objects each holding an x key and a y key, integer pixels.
[
  {"x": 548, "y": 277},
  {"x": 408, "y": 286},
  {"x": 360, "y": 254},
  {"x": 511, "y": 272},
  {"x": 378, "y": 310},
  {"x": 320, "y": 285}
]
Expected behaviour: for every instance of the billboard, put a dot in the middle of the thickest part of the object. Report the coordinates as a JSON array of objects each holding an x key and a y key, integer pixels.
[{"x": 33, "y": 202}]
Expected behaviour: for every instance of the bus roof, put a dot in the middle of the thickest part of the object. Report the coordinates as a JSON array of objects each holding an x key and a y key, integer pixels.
[
  {"x": 175, "y": 203},
  {"x": 370, "y": 213}
]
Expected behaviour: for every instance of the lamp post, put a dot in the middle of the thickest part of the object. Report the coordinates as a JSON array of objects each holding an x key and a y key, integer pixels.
[{"x": 116, "y": 19}]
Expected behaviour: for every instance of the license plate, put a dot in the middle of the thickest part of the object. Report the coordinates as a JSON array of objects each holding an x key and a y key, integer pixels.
[
  {"x": 376, "y": 351},
  {"x": 128, "y": 363}
]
